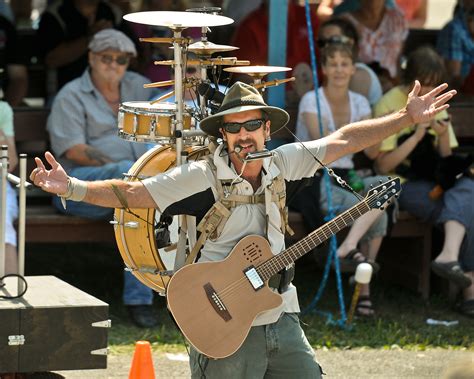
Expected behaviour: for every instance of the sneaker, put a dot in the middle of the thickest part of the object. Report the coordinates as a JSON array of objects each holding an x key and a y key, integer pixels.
[{"x": 143, "y": 316}]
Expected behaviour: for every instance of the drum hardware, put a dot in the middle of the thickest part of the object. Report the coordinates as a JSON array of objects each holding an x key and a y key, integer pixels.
[
  {"x": 189, "y": 83},
  {"x": 258, "y": 73},
  {"x": 147, "y": 270},
  {"x": 182, "y": 40},
  {"x": 272, "y": 83},
  {"x": 165, "y": 83},
  {"x": 130, "y": 224},
  {"x": 219, "y": 61}
]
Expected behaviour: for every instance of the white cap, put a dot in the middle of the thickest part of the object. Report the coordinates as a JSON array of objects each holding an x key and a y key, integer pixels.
[
  {"x": 363, "y": 273},
  {"x": 112, "y": 39}
]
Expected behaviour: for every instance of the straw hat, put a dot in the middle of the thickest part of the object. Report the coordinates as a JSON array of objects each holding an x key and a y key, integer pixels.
[{"x": 242, "y": 97}]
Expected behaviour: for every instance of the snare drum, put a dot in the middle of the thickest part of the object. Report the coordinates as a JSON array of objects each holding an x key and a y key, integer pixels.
[
  {"x": 141, "y": 121},
  {"x": 135, "y": 229}
]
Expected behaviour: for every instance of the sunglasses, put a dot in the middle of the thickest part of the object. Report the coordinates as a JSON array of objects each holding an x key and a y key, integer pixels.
[
  {"x": 250, "y": 125},
  {"x": 121, "y": 60},
  {"x": 334, "y": 39}
]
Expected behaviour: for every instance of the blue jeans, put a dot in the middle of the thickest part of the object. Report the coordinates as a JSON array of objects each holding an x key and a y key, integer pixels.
[
  {"x": 134, "y": 292},
  {"x": 278, "y": 350}
]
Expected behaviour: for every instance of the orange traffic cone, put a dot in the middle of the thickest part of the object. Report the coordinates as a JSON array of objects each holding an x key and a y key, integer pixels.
[{"x": 142, "y": 363}]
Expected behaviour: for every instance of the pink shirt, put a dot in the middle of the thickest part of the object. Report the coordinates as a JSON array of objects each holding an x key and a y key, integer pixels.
[{"x": 385, "y": 44}]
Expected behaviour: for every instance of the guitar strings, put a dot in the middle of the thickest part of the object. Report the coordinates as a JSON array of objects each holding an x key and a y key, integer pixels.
[{"x": 265, "y": 269}]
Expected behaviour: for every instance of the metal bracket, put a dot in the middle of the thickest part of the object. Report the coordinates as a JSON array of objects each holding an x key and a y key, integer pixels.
[
  {"x": 104, "y": 351},
  {"x": 16, "y": 340},
  {"x": 102, "y": 324}
]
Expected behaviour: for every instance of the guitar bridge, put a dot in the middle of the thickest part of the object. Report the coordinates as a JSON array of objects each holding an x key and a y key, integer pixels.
[{"x": 216, "y": 302}]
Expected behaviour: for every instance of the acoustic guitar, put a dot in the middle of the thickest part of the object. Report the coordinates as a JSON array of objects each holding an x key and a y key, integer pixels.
[{"x": 215, "y": 303}]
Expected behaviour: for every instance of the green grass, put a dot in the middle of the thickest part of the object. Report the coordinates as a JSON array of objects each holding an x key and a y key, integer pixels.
[{"x": 400, "y": 322}]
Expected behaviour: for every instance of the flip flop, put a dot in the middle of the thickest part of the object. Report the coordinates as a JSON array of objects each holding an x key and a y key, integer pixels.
[
  {"x": 364, "y": 307},
  {"x": 350, "y": 262},
  {"x": 451, "y": 271}
]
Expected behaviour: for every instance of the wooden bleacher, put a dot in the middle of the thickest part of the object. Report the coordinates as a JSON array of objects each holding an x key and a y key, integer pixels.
[{"x": 44, "y": 224}]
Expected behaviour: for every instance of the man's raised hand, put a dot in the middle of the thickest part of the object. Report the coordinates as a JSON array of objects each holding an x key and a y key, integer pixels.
[
  {"x": 423, "y": 108},
  {"x": 54, "y": 180}
]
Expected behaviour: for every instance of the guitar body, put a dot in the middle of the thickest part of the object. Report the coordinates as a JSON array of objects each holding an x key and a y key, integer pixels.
[{"x": 214, "y": 303}]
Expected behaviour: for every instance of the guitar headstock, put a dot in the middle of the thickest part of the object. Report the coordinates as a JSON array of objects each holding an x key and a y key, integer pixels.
[{"x": 382, "y": 195}]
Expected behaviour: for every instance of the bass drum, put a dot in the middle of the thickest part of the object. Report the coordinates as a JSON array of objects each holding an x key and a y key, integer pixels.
[{"x": 136, "y": 229}]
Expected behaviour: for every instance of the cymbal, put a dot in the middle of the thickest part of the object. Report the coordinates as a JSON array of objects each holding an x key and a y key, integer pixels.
[
  {"x": 208, "y": 48},
  {"x": 177, "y": 20},
  {"x": 219, "y": 61},
  {"x": 256, "y": 70}
]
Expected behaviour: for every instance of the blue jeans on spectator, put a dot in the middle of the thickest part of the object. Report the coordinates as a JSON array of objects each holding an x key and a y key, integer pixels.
[{"x": 134, "y": 292}]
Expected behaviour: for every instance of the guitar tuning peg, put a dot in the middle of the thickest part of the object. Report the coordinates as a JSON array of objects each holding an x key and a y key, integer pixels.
[
  {"x": 397, "y": 196},
  {"x": 382, "y": 208}
]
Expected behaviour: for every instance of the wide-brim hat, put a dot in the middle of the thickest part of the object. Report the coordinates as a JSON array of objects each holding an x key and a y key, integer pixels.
[{"x": 242, "y": 97}]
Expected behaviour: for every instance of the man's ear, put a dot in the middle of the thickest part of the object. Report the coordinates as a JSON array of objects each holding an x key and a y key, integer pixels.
[
  {"x": 223, "y": 134},
  {"x": 267, "y": 129}
]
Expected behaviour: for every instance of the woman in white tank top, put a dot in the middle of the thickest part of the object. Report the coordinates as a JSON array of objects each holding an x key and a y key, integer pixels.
[{"x": 339, "y": 107}]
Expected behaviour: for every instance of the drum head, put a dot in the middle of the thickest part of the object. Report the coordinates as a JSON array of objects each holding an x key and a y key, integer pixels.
[
  {"x": 145, "y": 106},
  {"x": 136, "y": 230}
]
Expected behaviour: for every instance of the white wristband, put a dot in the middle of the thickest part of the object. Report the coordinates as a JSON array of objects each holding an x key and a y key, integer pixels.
[{"x": 76, "y": 190}]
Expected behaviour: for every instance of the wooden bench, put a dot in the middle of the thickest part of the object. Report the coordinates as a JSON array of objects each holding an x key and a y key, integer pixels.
[{"x": 44, "y": 224}]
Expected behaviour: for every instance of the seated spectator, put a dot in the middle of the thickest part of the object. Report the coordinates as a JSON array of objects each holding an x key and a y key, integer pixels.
[
  {"x": 382, "y": 31},
  {"x": 414, "y": 153},
  {"x": 415, "y": 11},
  {"x": 83, "y": 132},
  {"x": 364, "y": 81},
  {"x": 456, "y": 45},
  {"x": 7, "y": 138},
  {"x": 65, "y": 30},
  {"x": 339, "y": 107},
  {"x": 13, "y": 62}
]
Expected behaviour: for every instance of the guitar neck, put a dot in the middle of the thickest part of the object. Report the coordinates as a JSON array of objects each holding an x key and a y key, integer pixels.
[{"x": 315, "y": 238}]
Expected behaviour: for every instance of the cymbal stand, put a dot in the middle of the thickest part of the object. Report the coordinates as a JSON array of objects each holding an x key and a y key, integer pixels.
[
  {"x": 178, "y": 90},
  {"x": 203, "y": 68},
  {"x": 3, "y": 184}
]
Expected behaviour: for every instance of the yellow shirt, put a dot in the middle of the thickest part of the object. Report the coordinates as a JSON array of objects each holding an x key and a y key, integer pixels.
[{"x": 396, "y": 99}]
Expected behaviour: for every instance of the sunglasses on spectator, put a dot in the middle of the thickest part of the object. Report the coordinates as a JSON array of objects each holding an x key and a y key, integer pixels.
[
  {"x": 121, "y": 60},
  {"x": 250, "y": 125},
  {"x": 334, "y": 39}
]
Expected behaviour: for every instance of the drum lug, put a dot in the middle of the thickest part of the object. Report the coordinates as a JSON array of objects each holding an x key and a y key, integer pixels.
[
  {"x": 135, "y": 124},
  {"x": 129, "y": 224},
  {"x": 153, "y": 126}
]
